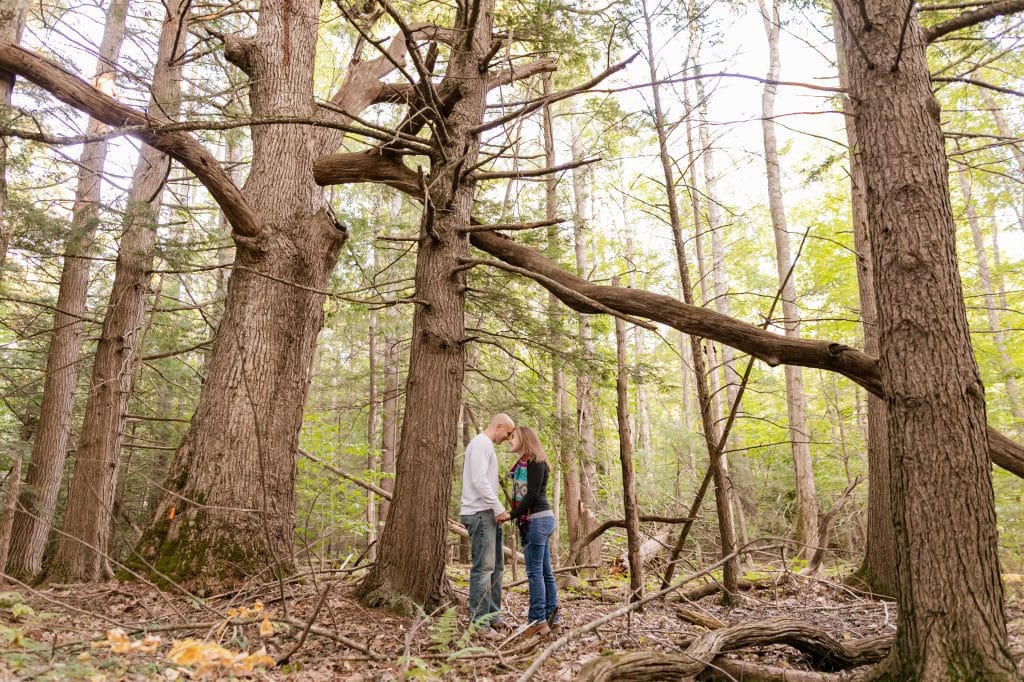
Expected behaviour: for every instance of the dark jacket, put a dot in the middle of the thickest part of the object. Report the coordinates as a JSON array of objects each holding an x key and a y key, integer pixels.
[{"x": 536, "y": 499}]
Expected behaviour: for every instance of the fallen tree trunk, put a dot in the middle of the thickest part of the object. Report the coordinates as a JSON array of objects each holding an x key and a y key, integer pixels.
[{"x": 823, "y": 651}]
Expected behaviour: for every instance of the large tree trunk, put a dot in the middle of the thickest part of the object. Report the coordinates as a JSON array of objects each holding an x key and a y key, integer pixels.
[
  {"x": 49, "y": 451},
  {"x": 951, "y": 623},
  {"x": 796, "y": 403},
  {"x": 82, "y": 547},
  {"x": 12, "y": 22},
  {"x": 229, "y": 506},
  {"x": 411, "y": 559}
]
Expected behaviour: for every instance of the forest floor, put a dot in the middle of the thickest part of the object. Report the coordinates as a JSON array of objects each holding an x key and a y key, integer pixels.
[{"x": 131, "y": 631}]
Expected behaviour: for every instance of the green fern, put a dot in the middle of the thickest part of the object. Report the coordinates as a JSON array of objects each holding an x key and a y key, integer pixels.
[{"x": 443, "y": 630}]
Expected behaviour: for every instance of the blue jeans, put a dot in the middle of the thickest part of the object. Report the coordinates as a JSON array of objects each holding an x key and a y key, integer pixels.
[
  {"x": 488, "y": 564},
  {"x": 537, "y": 552}
]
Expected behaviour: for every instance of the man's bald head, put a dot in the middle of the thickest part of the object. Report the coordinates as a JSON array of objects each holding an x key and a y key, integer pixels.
[{"x": 500, "y": 428}]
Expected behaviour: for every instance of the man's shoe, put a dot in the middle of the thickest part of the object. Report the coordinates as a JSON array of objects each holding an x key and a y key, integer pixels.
[
  {"x": 490, "y": 634},
  {"x": 538, "y": 627}
]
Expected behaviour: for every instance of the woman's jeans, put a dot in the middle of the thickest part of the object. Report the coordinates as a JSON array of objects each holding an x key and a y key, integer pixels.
[
  {"x": 488, "y": 565},
  {"x": 537, "y": 552}
]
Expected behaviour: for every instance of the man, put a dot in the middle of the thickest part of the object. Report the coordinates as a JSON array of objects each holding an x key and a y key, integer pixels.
[{"x": 482, "y": 514}]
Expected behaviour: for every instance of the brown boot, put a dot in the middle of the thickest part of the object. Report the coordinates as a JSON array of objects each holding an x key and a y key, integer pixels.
[{"x": 538, "y": 627}]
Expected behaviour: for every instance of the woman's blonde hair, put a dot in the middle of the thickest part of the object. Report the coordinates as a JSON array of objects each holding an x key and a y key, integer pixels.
[{"x": 531, "y": 446}]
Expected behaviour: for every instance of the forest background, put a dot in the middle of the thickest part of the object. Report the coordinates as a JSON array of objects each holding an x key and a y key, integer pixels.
[{"x": 708, "y": 127}]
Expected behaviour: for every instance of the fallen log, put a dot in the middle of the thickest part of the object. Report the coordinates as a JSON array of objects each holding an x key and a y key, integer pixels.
[{"x": 823, "y": 652}]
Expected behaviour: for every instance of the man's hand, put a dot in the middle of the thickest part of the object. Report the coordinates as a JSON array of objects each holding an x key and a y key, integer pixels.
[{"x": 503, "y": 517}]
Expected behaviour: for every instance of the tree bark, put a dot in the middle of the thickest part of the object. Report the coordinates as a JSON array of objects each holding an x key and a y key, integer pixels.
[
  {"x": 411, "y": 559},
  {"x": 38, "y": 497},
  {"x": 951, "y": 623},
  {"x": 796, "y": 403}
]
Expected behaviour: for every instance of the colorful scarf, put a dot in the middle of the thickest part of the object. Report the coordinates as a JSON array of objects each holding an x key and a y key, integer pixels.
[{"x": 518, "y": 476}]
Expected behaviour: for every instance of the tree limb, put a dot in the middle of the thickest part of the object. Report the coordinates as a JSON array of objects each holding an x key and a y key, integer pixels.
[
  {"x": 74, "y": 91},
  {"x": 772, "y": 349},
  {"x": 996, "y": 9},
  {"x": 581, "y": 295}
]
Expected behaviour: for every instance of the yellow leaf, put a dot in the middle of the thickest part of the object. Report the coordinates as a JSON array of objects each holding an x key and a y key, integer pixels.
[
  {"x": 187, "y": 652},
  {"x": 266, "y": 627}
]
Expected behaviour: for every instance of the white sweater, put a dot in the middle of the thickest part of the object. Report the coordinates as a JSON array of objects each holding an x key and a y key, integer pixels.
[{"x": 480, "y": 478}]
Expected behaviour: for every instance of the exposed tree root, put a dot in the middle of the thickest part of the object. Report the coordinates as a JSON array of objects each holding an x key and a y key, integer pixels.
[
  {"x": 748, "y": 671},
  {"x": 823, "y": 651}
]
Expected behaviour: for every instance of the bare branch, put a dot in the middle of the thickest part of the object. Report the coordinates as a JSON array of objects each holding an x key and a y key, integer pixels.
[
  {"x": 996, "y": 9},
  {"x": 497, "y": 175},
  {"x": 511, "y": 226},
  {"x": 74, "y": 91},
  {"x": 555, "y": 97},
  {"x": 980, "y": 84}
]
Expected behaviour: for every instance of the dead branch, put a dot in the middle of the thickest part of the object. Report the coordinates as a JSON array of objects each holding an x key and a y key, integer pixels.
[
  {"x": 554, "y": 97},
  {"x": 825, "y": 529},
  {"x": 618, "y": 613},
  {"x": 453, "y": 527},
  {"x": 715, "y": 587},
  {"x": 585, "y": 297},
  {"x": 466, "y": 263},
  {"x": 823, "y": 650},
  {"x": 518, "y": 73}
]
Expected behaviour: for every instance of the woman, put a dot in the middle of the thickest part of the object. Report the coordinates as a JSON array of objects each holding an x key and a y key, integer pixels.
[{"x": 531, "y": 510}]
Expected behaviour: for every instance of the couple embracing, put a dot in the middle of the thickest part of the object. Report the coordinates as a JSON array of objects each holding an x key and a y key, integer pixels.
[{"x": 482, "y": 514}]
